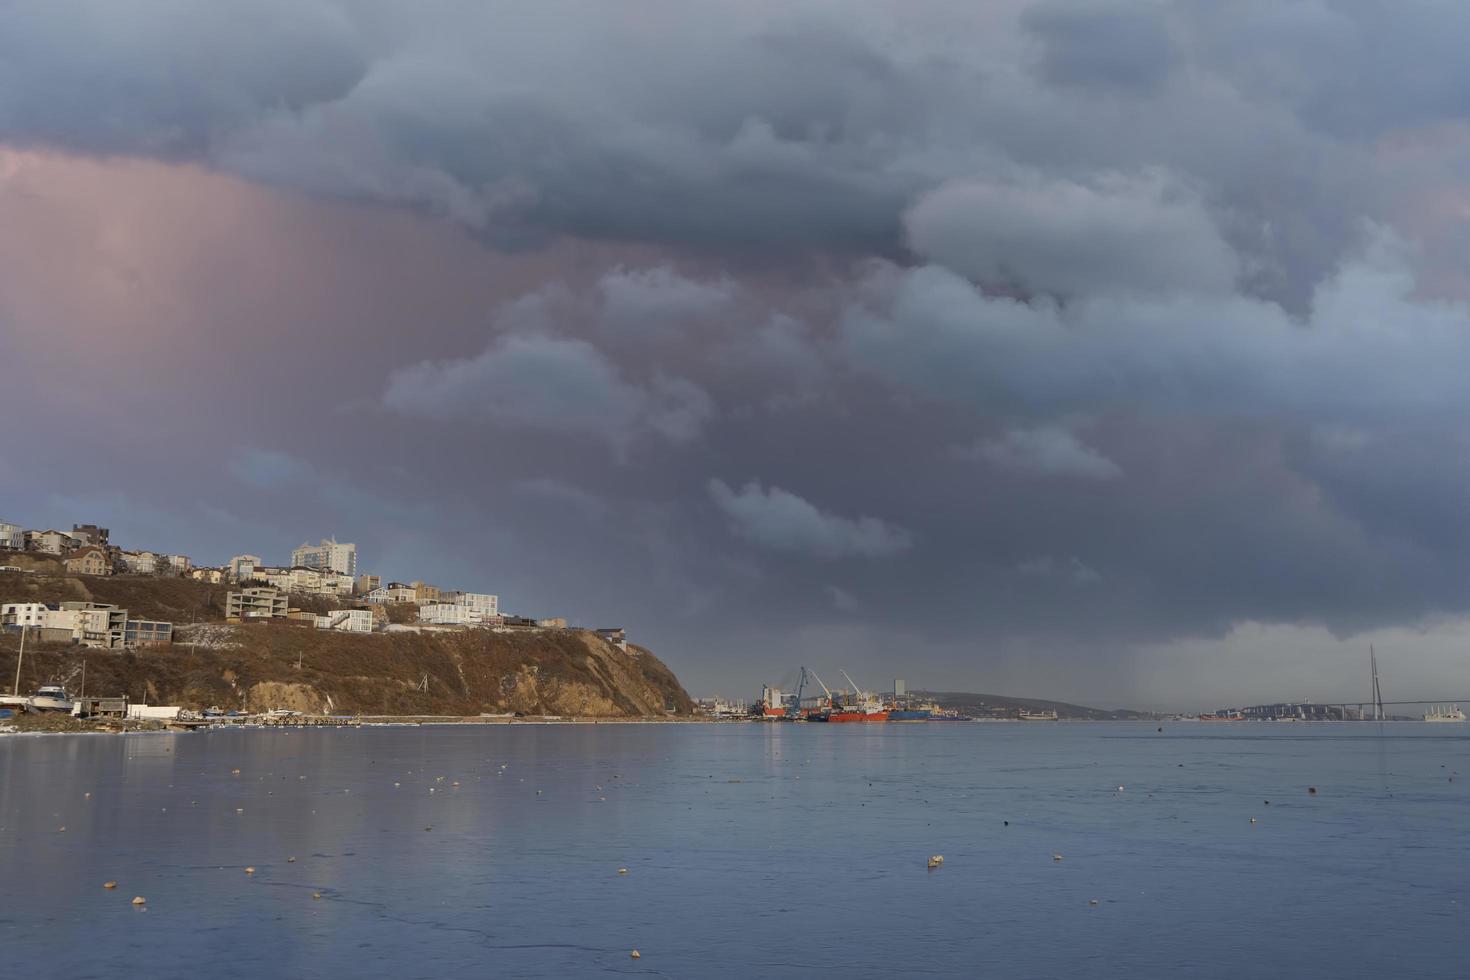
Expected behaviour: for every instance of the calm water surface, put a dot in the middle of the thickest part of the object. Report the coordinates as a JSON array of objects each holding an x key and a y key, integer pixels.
[{"x": 752, "y": 850}]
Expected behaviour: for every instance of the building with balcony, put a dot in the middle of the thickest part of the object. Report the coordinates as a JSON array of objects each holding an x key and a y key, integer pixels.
[{"x": 260, "y": 602}]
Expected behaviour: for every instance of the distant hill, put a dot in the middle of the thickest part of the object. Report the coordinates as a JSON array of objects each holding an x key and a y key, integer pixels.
[{"x": 983, "y": 705}]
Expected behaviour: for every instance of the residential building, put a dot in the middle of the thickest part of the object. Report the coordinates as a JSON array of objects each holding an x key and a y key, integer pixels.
[
  {"x": 347, "y": 621},
  {"x": 12, "y": 537},
  {"x": 140, "y": 562},
  {"x": 390, "y": 593},
  {"x": 485, "y": 605},
  {"x": 261, "y": 602},
  {"x": 616, "y": 636},
  {"x": 424, "y": 592},
  {"x": 178, "y": 564},
  {"x": 15, "y": 615},
  {"x": 555, "y": 623},
  {"x": 447, "y": 614},
  {"x": 90, "y": 534},
  {"x": 88, "y": 561},
  {"x": 49, "y": 542},
  {"x": 329, "y": 556},
  {"x": 214, "y": 576},
  {"x": 95, "y": 624},
  {"x": 369, "y": 583},
  {"x": 242, "y": 567}
]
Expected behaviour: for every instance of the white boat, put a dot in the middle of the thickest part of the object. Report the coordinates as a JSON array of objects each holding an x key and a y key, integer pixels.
[
  {"x": 49, "y": 698},
  {"x": 1441, "y": 713}
]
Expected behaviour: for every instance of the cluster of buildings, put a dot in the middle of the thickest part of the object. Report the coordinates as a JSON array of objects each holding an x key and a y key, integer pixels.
[
  {"x": 86, "y": 550},
  {"x": 89, "y": 624},
  {"x": 260, "y": 592}
]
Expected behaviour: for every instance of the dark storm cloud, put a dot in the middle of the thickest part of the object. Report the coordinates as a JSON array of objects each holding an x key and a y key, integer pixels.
[
  {"x": 1005, "y": 341},
  {"x": 1123, "y": 45}
]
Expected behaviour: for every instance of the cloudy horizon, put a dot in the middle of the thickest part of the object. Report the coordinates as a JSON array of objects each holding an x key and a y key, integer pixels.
[{"x": 1101, "y": 351}]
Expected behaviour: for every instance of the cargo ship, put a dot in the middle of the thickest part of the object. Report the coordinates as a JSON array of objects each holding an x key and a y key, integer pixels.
[
  {"x": 862, "y": 712},
  {"x": 909, "y": 714}
]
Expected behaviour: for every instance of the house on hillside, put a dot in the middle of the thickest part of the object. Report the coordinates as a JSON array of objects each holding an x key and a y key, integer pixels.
[
  {"x": 616, "y": 636},
  {"x": 50, "y": 542},
  {"x": 88, "y": 561}
]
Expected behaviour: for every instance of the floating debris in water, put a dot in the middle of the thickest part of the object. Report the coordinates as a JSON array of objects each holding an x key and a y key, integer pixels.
[
  {"x": 109, "y": 884},
  {"x": 139, "y": 900},
  {"x": 936, "y": 860},
  {"x": 1311, "y": 791},
  {"x": 1092, "y": 901},
  {"x": 622, "y": 871},
  {"x": 1056, "y": 857},
  {"x": 316, "y": 895},
  {"x": 635, "y": 955},
  {"x": 290, "y": 860}
]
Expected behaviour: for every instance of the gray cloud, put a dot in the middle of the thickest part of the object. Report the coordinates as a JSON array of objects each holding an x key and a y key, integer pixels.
[
  {"x": 1047, "y": 450},
  {"x": 536, "y": 381},
  {"x": 1367, "y": 353},
  {"x": 658, "y": 303},
  {"x": 1066, "y": 239},
  {"x": 1121, "y": 46},
  {"x": 779, "y": 520}
]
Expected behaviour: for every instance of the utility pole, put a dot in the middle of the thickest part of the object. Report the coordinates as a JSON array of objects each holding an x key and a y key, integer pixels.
[{"x": 20, "y": 659}]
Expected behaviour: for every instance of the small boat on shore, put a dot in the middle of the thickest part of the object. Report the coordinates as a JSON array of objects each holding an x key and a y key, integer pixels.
[{"x": 49, "y": 697}]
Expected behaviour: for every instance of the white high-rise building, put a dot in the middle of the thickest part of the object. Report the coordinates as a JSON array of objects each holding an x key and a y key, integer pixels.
[{"x": 329, "y": 556}]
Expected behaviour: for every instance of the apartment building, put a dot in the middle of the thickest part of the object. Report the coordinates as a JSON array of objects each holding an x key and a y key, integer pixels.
[
  {"x": 33, "y": 615},
  {"x": 261, "y": 602},
  {"x": 242, "y": 567},
  {"x": 12, "y": 537},
  {"x": 447, "y": 614},
  {"x": 485, "y": 605},
  {"x": 140, "y": 562},
  {"x": 329, "y": 556},
  {"x": 424, "y": 592}
]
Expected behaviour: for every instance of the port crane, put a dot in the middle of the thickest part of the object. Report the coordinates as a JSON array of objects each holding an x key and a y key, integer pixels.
[{"x": 830, "y": 702}]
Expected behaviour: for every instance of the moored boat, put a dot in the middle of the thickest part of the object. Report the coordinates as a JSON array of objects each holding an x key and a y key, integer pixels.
[{"x": 49, "y": 698}]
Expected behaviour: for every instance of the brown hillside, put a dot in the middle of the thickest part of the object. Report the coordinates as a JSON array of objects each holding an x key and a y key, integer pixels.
[{"x": 255, "y": 666}]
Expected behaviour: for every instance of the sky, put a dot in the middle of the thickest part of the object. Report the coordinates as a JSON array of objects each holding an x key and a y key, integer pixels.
[{"x": 1111, "y": 352}]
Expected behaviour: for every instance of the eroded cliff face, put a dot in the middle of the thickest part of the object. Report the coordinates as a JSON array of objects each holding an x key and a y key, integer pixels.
[{"x": 273, "y": 665}]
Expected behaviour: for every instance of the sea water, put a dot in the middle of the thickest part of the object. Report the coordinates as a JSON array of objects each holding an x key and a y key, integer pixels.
[{"x": 751, "y": 850}]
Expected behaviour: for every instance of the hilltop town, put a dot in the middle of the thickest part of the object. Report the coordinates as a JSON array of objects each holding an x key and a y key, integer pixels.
[{"x": 312, "y": 634}]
